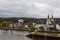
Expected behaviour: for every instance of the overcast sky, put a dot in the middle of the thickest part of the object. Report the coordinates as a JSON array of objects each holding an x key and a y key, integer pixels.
[{"x": 29, "y": 8}]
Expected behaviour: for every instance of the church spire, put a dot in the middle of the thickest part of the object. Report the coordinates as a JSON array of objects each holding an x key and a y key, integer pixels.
[
  {"x": 52, "y": 16},
  {"x": 48, "y": 15},
  {"x": 48, "y": 21},
  {"x": 52, "y": 19}
]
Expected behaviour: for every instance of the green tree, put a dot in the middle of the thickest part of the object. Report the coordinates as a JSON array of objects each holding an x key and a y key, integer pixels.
[{"x": 5, "y": 24}]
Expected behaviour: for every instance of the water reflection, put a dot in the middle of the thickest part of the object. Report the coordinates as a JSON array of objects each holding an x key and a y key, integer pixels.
[{"x": 13, "y": 35}]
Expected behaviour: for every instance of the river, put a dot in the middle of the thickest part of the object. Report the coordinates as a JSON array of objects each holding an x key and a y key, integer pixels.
[{"x": 13, "y": 35}]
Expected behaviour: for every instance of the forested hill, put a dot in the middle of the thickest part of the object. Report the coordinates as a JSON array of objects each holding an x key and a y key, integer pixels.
[
  {"x": 26, "y": 20},
  {"x": 15, "y": 19}
]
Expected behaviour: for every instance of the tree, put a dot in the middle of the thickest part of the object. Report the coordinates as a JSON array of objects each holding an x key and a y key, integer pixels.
[
  {"x": 5, "y": 24},
  {"x": 31, "y": 27}
]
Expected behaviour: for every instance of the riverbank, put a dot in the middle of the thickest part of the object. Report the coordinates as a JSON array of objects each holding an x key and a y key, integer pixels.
[
  {"x": 47, "y": 36},
  {"x": 13, "y": 29}
]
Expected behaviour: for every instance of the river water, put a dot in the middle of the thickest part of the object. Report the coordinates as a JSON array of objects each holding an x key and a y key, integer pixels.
[{"x": 13, "y": 35}]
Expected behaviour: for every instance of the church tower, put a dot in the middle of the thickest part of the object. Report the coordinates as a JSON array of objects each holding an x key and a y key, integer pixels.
[
  {"x": 52, "y": 19},
  {"x": 48, "y": 16},
  {"x": 48, "y": 21}
]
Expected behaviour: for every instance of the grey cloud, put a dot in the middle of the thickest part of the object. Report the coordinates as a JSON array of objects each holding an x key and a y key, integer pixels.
[
  {"x": 55, "y": 3},
  {"x": 28, "y": 8}
]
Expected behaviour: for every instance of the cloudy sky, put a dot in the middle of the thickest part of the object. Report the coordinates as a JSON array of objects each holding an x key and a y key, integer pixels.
[{"x": 29, "y": 8}]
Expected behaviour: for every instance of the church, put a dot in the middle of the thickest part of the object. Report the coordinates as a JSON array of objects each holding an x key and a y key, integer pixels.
[{"x": 49, "y": 20}]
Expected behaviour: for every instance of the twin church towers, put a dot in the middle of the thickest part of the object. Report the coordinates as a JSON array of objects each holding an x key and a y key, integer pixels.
[{"x": 49, "y": 20}]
